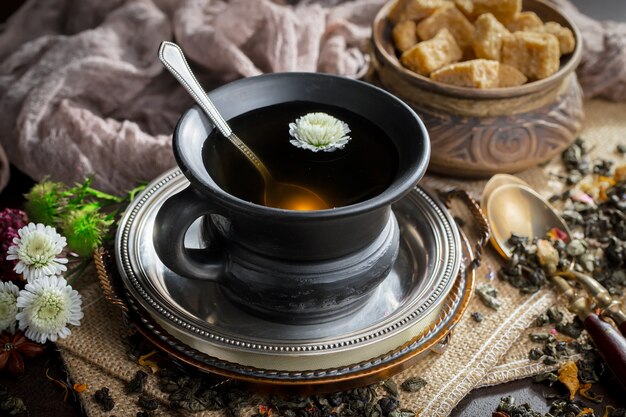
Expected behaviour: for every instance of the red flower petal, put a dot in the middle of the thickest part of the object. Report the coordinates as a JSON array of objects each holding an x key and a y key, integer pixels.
[
  {"x": 30, "y": 349},
  {"x": 16, "y": 363},
  {"x": 4, "y": 358}
]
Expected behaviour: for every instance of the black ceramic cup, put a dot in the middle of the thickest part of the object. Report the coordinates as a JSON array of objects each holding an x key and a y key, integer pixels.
[{"x": 287, "y": 265}]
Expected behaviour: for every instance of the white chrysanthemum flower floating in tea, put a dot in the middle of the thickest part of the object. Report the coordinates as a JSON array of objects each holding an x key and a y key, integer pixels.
[
  {"x": 319, "y": 132},
  {"x": 36, "y": 250},
  {"x": 8, "y": 306},
  {"x": 47, "y": 306}
]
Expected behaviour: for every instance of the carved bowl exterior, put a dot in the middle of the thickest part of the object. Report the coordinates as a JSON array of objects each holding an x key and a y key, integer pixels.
[{"x": 478, "y": 133}]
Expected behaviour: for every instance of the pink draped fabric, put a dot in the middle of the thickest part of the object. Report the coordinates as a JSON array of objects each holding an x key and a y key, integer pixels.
[{"x": 82, "y": 92}]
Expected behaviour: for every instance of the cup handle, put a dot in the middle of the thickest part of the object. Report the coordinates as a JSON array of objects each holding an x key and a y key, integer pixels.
[{"x": 170, "y": 225}]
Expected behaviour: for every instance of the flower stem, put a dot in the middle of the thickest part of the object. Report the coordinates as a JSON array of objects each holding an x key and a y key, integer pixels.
[
  {"x": 75, "y": 273},
  {"x": 102, "y": 195}
]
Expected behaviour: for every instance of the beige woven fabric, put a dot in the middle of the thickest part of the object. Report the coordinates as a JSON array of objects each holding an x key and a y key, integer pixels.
[{"x": 486, "y": 353}]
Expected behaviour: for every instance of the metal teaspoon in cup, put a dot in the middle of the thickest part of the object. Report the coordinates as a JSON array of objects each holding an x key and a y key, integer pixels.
[
  {"x": 276, "y": 194},
  {"x": 512, "y": 206}
]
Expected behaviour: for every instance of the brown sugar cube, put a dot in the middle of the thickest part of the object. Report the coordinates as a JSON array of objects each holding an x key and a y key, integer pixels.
[
  {"x": 452, "y": 19},
  {"x": 415, "y": 9},
  {"x": 563, "y": 34},
  {"x": 536, "y": 55},
  {"x": 488, "y": 34},
  {"x": 503, "y": 10},
  {"x": 477, "y": 73},
  {"x": 396, "y": 10},
  {"x": 524, "y": 21},
  {"x": 509, "y": 76},
  {"x": 404, "y": 36},
  {"x": 466, "y": 7},
  {"x": 428, "y": 56}
]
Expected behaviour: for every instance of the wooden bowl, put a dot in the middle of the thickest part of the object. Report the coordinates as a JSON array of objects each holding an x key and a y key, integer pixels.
[{"x": 478, "y": 133}]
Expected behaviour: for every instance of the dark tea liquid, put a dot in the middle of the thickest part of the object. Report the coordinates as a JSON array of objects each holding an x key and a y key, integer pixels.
[{"x": 361, "y": 170}]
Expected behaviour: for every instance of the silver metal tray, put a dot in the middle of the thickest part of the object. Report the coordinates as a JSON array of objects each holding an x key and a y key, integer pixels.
[{"x": 195, "y": 314}]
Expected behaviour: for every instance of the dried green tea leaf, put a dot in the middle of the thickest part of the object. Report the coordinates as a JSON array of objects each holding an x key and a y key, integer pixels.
[
  {"x": 488, "y": 294},
  {"x": 388, "y": 404},
  {"x": 572, "y": 329},
  {"x": 148, "y": 402},
  {"x": 541, "y": 337},
  {"x": 138, "y": 383},
  {"x": 577, "y": 247},
  {"x": 549, "y": 360},
  {"x": 555, "y": 315},
  {"x": 402, "y": 413},
  {"x": 547, "y": 376},
  {"x": 535, "y": 354},
  {"x": 477, "y": 317},
  {"x": 391, "y": 387},
  {"x": 413, "y": 384}
]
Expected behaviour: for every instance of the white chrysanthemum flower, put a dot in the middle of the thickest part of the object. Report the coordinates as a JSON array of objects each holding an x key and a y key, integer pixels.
[
  {"x": 36, "y": 250},
  {"x": 47, "y": 306},
  {"x": 8, "y": 306},
  {"x": 319, "y": 132}
]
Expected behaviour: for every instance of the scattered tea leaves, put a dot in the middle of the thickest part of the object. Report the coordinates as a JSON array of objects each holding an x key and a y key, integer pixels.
[
  {"x": 576, "y": 247},
  {"x": 535, "y": 354},
  {"x": 391, "y": 387},
  {"x": 547, "y": 376},
  {"x": 478, "y": 317},
  {"x": 488, "y": 294},
  {"x": 549, "y": 360},
  {"x": 554, "y": 315},
  {"x": 575, "y": 158},
  {"x": 388, "y": 404},
  {"x": 541, "y": 337},
  {"x": 103, "y": 398},
  {"x": 11, "y": 405},
  {"x": 138, "y": 383},
  {"x": 403, "y": 413},
  {"x": 413, "y": 384},
  {"x": 507, "y": 406},
  {"x": 617, "y": 412},
  {"x": 572, "y": 329},
  {"x": 594, "y": 208},
  {"x": 148, "y": 402}
]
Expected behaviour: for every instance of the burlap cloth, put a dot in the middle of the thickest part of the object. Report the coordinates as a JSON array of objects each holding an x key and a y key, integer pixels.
[{"x": 487, "y": 353}]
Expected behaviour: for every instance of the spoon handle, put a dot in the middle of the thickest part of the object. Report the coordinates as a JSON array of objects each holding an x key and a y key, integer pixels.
[
  {"x": 610, "y": 344},
  {"x": 174, "y": 60}
]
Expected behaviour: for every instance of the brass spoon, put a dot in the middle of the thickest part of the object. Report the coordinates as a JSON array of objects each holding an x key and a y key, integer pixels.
[
  {"x": 496, "y": 181},
  {"x": 276, "y": 194},
  {"x": 515, "y": 208},
  {"x": 610, "y": 306}
]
